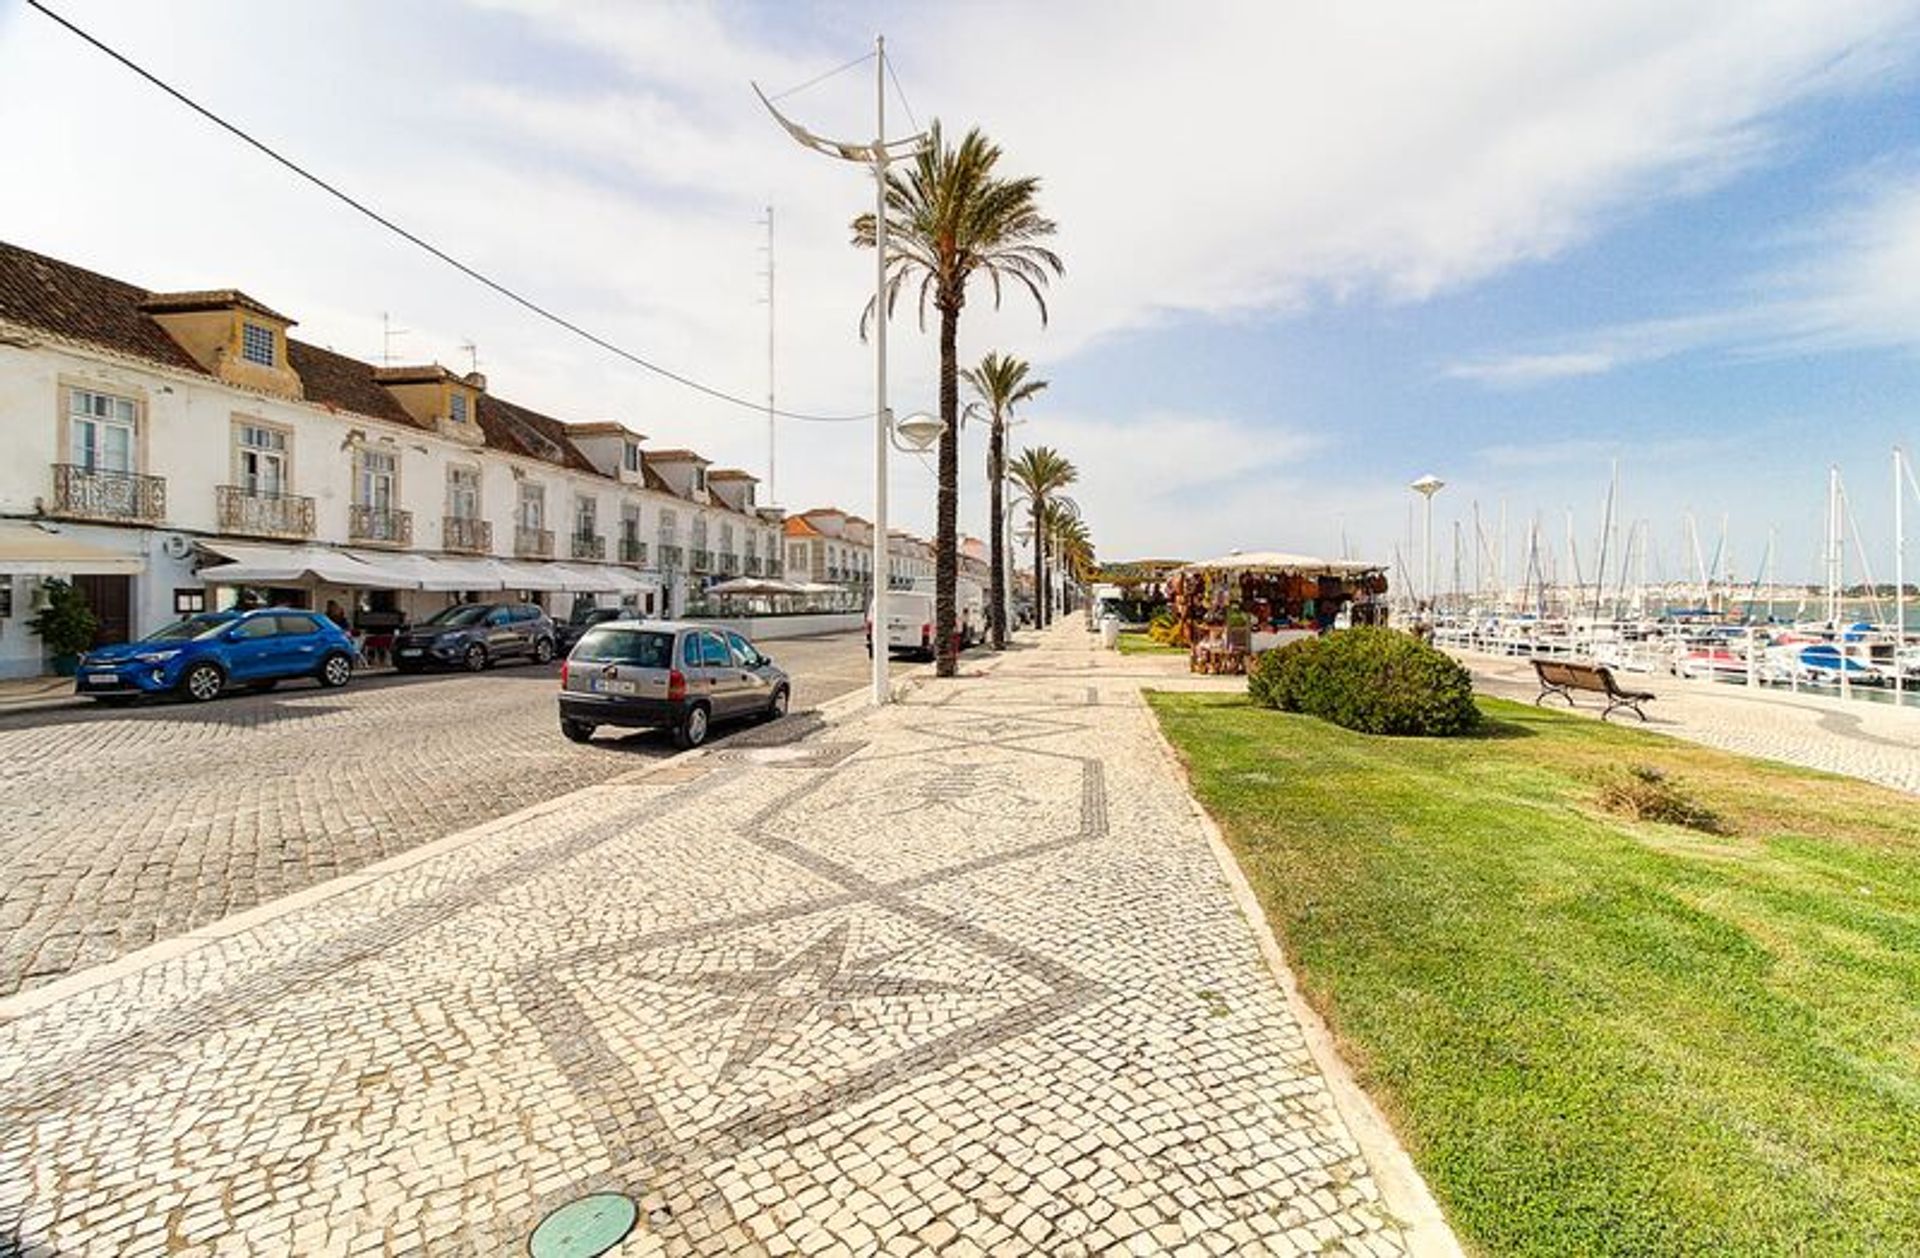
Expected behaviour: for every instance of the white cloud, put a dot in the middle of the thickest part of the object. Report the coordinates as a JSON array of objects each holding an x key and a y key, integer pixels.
[
  {"x": 1208, "y": 160},
  {"x": 1524, "y": 369}
]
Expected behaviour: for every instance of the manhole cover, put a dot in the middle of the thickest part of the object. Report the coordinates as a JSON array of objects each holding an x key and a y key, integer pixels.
[{"x": 584, "y": 1228}]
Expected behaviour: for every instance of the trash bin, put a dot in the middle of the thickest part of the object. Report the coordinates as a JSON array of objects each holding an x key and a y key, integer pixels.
[{"x": 1109, "y": 633}]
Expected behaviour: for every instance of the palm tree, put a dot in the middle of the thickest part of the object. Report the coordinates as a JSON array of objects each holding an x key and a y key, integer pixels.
[
  {"x": 1041, "y": 473},
  {"x": 1000, "y": 382},
  {"x": 949, "y": 218},
  {"x": 1069, "y": 547}
]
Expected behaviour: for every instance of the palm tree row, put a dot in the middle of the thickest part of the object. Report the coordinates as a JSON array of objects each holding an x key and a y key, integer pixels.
[
  {"x": 1042, "y": 474},
  {"x": 951, "y": 217},
  {"x": 1000, "y": 383}
]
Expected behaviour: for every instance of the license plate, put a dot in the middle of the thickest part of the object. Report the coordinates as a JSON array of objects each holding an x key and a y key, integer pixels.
[
  {"x": 602, "y": 686},
  {"x": 103, "y": 679},
  {"x": 409, "y": 650}
]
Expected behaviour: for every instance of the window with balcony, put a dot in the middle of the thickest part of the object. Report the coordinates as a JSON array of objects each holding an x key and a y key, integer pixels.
[
  {"x": 256, "y": 344},
  {"x": 463, "y": 529},
  {"x": 587, "y": 542},
  {"x": 632, "y": 549},
  {"x": 101, "y": 431},
  {"x": 375, "y": 514},
  {"x": 262, "y": 460},
  {"x": 531, "y": 535},
  {"x": 100, "y": 479}
]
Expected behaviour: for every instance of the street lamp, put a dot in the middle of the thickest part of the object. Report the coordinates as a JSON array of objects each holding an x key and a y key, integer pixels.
[
  {"x": 877, "y": 153},
  {"x": 1427, "y": 486}
]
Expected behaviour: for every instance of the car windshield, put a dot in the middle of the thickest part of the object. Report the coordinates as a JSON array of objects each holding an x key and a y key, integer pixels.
[
  {"x": 642, "y": 648},
  {"x": 460, "y": 616},
  {"x": 190, "y": 628}
]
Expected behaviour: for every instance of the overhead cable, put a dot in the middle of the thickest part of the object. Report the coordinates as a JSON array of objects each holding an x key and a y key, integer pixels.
[{"x": 473, "y": 273}]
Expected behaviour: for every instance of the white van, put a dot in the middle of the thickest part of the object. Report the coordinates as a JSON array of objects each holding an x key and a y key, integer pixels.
[{"x": 909, "y": 624}]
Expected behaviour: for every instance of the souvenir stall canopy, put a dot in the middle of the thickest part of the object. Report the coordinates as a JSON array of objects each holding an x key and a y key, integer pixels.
[{"x": 1253, "y": 601}]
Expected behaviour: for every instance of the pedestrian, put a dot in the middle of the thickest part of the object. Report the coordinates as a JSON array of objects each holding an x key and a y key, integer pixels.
[{"x": 336, "y": 613}]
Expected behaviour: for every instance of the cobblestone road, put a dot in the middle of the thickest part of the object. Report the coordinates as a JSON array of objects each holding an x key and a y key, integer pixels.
[
  {"x": 961, "y": 976},
  {"x": 127, "y": 826},
  {"x": 1873, "y": 741}
]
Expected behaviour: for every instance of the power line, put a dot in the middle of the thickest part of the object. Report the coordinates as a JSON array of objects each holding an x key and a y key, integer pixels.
[
  {"x": 816, "y": 79},
  {"x": 902, "y": 93},
  {"x": 470, "y": 272}
]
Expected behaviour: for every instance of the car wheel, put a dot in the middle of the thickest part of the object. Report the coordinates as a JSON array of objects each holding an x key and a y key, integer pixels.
[
  {"x": 475, "y": 659},
  {"x": 543, "y": 651},
  {"x": 336, "y": 670},
  {"x": 576, "y": 731},
  {"x": 777, "y": 705},
  {"x": 692, "y": 729},
  {"x": 202, "y": 682}
]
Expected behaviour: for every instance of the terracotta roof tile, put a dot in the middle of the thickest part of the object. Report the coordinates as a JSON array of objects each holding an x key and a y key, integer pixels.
[
  {"x": 343, "y": 383},
  {"x": 69, "y": 301}
]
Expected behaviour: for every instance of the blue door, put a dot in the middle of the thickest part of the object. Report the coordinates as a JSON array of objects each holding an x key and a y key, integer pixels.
[
  {"x": 298, "y": 646},
  {"x": 250, "y": 648}
]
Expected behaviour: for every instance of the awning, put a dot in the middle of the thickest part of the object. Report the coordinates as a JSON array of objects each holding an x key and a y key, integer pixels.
[
  {"x": 424, "y": 572},
  {"x": 255, "y": 564},
  {"x": 1281, "y": 561},
  {"x": 593, "y": 578},
  {"x": 746, "y": 586},
  {"x": 29, "y": 550},
  {"x": 528, "y": 576}
]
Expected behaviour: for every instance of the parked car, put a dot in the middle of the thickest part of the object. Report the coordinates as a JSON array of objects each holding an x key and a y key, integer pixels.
[
  {"x": 664, "y": 674},
  {"x": 474, "y": 635},
  {"x": 202, "y": 655},
  {"x": 583, "y": 618}
]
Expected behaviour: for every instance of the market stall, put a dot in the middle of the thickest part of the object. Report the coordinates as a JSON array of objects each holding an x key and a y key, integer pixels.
[{"x": 1251, "y": 601}]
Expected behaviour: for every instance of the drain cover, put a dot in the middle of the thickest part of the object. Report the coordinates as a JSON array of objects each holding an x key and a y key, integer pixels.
[{"x": 584, "y": 1228}]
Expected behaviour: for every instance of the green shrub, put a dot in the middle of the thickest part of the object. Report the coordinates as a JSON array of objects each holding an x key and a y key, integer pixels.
[
  {"x": 67, "y": 625},
  {"x": 1377, "y": 681}
]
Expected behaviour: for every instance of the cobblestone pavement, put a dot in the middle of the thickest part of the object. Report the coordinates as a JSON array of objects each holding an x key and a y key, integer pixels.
[
  {"x": 124, "y": 826},
  {"x": 1874, "y": 741},
  {"x": 959, "y": 976}
]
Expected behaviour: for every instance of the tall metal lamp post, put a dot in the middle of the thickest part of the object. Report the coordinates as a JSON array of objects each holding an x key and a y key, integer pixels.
[
  {"x": 877, "y": 153},
  {"x": 1427, "y": 486}
]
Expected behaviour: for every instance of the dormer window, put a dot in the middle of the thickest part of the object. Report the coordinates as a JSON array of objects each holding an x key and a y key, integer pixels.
[
  {"x": 747, "y": 498},
  {"x": 256, "y": 344},
  {"x": 457, "y": 407},
  {"x": 632, "y": 463},
  {"x": 699, "y": 479}
]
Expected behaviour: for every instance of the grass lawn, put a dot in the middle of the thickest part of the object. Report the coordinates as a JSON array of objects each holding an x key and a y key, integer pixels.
[
  {"x": 1141, "y": 644},
  {"x": 1597, "y": 1036}
]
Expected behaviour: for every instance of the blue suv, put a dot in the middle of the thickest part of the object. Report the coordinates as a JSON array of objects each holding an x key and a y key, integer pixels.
[{"x": 200, "y": 656}]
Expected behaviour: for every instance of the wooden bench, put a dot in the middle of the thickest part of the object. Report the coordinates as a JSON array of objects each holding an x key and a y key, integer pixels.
[{"x": 1563, "y": 677}]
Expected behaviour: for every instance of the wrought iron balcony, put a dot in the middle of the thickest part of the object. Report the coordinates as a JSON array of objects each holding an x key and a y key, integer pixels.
[
  {"x": 85, "y": 493},
  {"x": 589, "y": 546},
  {"x": 753, "y": 565},
  {"x": 672, "y": 556},
  {"x": 633, "y": 551},
  {"x": 774, "y": 567},
  {"x": 250, "y": 513},
  {"x": 379, "y": 526},
  {"x": 702, "y": 561},
  {"x": 533, "y": 543},
  {"x": 729, "y": 564},
  {"x": 466, "y": 534}
]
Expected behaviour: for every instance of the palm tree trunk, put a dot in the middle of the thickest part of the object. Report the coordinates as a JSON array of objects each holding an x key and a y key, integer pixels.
[
  {"x": 997, "y": 583},
  {"x": 946, "y": 555},
  {"x": 1039, "y": 564}
]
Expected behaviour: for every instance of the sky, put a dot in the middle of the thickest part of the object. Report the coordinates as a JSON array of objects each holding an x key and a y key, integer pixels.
[{"x": 1312, "y": 251}]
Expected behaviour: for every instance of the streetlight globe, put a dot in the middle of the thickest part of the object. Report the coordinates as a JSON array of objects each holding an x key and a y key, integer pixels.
[
  {"x": 920, "y": 430},
  {"x": 1428, "y": 485}
]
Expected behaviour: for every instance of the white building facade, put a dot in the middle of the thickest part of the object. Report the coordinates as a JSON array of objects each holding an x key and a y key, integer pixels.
[{"x": 152, "y": 438}]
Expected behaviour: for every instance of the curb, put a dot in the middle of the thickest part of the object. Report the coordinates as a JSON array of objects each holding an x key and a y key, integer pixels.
[{"x": 1402, "y": 1188}]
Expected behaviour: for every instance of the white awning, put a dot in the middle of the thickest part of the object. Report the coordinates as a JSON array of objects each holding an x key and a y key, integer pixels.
[
  {"x": 515, "y": 575},
  {"x": 594, "y": 578},
  {"x": 256, "y": 564},
  {"x": 425, "y": 572},
  {"x": 29, "y": 550}
]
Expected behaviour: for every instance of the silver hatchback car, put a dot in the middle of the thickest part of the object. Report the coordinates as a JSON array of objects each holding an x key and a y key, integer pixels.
[{"x": 666, "y": 674}]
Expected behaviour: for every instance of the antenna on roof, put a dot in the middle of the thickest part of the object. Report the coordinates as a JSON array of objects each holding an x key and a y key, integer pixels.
[
  {"x": 472, "y": 352},
  {"x": 387, "y": 333}
]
